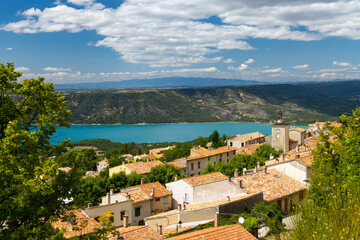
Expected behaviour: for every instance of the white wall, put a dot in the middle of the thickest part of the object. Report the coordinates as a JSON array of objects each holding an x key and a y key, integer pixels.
[
  {"x": 179, "y": 188},
  {"x": 293, "y": 169},
  {"x": 215, "y": 191}
]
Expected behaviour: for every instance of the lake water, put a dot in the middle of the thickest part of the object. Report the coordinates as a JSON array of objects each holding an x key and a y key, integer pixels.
[{"x": 179, "y": 132}]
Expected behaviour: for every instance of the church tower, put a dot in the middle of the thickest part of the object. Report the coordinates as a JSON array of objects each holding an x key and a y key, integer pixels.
[{"x": 280, "y": 134}]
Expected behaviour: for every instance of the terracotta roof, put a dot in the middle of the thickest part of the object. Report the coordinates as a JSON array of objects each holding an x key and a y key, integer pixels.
[
  {"x": 274, "y": 184},
  {"x": 250, "y": 149},
  {"x": 198, "y": 206},
  {"x": 297, "y": 129},
  {"x": 246, "y": 137},
  {"x": 177, "y": 164},
  {"x": 137, "y": 233},
  {"x": 137, "y": 195},
  {"x": 233, "y": 232},
  {"x": 160, "y": 190},
  {"x": 90, "y": 227},
  {"x": 205, "y": 178},
  {"x": 203, "y": 152},
  {"x": 306, "y": 160},
  {"x": 293, "y": 139},
  {"x": 143, "y": 167},
  {"x": 151, "y": 156}
]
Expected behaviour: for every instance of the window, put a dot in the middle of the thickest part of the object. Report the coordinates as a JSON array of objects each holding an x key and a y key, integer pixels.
[
  {"x": 122, "y": 214},
  {"x": 186, "y": 197},
  {"x": 227, "y": 154},
  {"x": 214, "y": 163},
  {"x": 220, "y": 155},
  {"x": 166, "y": 200},
  {"x": 199, "y": 173},
  {"x": 141, "y": 223},
  {"x": 199, "y": 164},
  {"x": 192, "y": 166},
  {"x": 137, "y": 212},
  {"x": 208, "y": 158},
  {"x": 157, "y": 199},
  {"x": 242, "y": 144},
  {"x": 231, "y": 144},
  {"x": 112, "y": 217}
]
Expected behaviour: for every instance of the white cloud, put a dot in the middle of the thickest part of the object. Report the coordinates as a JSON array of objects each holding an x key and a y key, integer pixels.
[
  {"x": 249, "y": 61},
  {"x": 173, "y": 33},
  {"x": 22, "y": 69},
  {"x": 273, "y": 70},
  {"x": 229, "y": 60},
  {"x": 55, "y": 69},
  {"x": 304, "y": 66},
  {"x": 9, "y": 49},
  {"x": 242, "y": 66},
  {"x": 341, "y": 64}
]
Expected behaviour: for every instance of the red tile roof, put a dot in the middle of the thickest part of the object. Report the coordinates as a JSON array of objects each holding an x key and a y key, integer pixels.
[
  {"x": 205, "y": 178},
  {"x": 230, "y": 232},
  {"x": 91, "y": 225},
  {"x": 137, "y": 233},
  {"x": 143, "y": 167},
  {"x": 177, "y": 164},
  {"x": 160, "y": 190},
  {"x": 274, "y": 184}
]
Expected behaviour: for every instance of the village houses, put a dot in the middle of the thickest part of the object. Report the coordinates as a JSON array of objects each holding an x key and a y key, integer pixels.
[
  {"x": 131, "y": 205},
  {"x": 137, "y": 167}
]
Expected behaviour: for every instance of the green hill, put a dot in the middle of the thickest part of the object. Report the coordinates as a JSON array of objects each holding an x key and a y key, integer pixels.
[{"x": 301, "y": 103}]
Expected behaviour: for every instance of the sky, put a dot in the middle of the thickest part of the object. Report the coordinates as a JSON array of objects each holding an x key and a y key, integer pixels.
[{"x": 77, "y": 41}]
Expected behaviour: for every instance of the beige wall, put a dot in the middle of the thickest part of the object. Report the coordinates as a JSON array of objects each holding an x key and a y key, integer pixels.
[
  {"x": 115, "y": 208},
  {"x": 184, "y": 216},
  {"x": 204, "y": 161},
  {"x": 145, "y": 211},
  {"x": 118, "y": 169},
  {"x": 160, "y": 205},
  {"x": 290, "y": 199},
  {"x": 280, "y": 140}
]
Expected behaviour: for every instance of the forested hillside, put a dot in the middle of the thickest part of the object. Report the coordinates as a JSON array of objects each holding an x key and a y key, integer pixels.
[{"x": 301, "y": 103}]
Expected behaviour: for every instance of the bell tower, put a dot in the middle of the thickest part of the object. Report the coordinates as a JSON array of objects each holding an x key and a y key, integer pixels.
[{"x": 280, "y": 134}]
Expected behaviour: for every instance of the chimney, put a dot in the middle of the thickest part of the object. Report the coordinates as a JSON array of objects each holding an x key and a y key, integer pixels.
[
  {"x": 89, "y": 205},
  {"x": 147, "y": 160},
  {"x": 236, "y": 173},
  {"x": 258, "y": 164},
  {"x": 265, "y": 169},
  {"x": 297, "y": 156},
  {"x": 271, "y": 156},
  {"x": 228, "y": 198},
  {"x": 142, "y": 181},
  {"x": 244, "y": 171},
  {"x": 123, "y": 163},
  {"x": 297, "y": 148},
  {"x": 229, "y": 178},
  {"x": 216, "y": 219},
  {"x": 282, "y": 157},
  {"x": 175, "y": 178},
  {"x": 126, "y": 221},
  {"x": 108, "y": 197},
  {"x": 240, "y": 184},
  {"x": 153, "y": 192},
  {"x": 179, "y": 207},
  {"x": 255, "y": 169},
  {"x": 160, "y": 229},
  {"x": 111, "y": 191}
]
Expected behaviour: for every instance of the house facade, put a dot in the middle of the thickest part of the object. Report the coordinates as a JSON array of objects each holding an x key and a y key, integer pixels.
[
  {"x": 137, "y": 167},
  {"x": 243, "y": 140}
]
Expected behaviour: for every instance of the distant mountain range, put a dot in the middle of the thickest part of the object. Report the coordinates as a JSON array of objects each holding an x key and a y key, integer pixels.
[
  {"x": 301, "y": 103},
  {"x": 174, "y": 82}
]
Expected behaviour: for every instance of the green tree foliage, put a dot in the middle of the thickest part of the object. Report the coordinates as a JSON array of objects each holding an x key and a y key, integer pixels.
[
  {"x": 179, "y": 151},
  {"x": 163, "y": 173},
  {"x": 201, "y": 141},
  {"x": 215, "y": 140},
  {"x": 332, "y": 210},
  {"x": 32, "y": 187},
  {"x": 242, "y": 161}
]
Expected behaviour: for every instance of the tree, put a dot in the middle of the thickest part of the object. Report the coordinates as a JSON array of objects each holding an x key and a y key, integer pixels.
[
  {"x": 33, "y": 189},
  {"x": 214, "y": 138},
  {"x": 163, "y": 173},
  {"x": 332, "y": 209}
]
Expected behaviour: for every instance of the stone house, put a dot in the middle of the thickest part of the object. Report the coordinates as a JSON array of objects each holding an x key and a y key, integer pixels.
[
  {"x": 137, "y": 167},
  {"x": 242, "y": 140},
  {"x": 131, "y": 205},
  {"x": 203, "y": 188}
]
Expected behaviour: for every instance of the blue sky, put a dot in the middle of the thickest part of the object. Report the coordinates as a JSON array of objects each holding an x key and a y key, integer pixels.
[{"x": 69, "y": 41}]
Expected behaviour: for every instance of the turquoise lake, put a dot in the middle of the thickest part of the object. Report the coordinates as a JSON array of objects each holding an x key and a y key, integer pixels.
[{"x": 179, "y": 132}]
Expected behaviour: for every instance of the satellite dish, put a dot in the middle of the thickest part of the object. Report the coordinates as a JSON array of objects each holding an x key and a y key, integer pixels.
[{"x": 241, "y": 220}]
